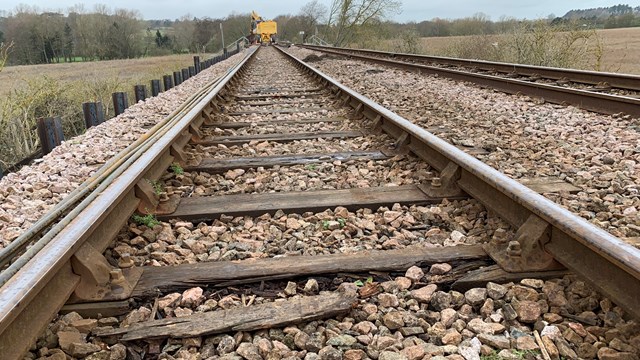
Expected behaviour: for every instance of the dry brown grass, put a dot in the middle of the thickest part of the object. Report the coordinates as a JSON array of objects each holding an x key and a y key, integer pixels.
[
  {"x": 621, "y": 48},
  {"x": 126, "y": 71},
  {"x": 30, "y": 92}
]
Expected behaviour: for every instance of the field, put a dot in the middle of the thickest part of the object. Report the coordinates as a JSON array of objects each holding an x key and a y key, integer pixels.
[
  {"x": 123, "y": 71},
  {"x": 33, "y": 91},
  {"x": 621, "y": 48}
]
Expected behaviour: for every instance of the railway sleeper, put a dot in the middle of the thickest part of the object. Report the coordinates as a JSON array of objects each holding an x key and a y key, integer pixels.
[{"x": 472, "y": 268}]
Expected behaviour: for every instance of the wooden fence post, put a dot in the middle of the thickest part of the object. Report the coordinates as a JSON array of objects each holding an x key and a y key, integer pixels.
[
  {"x": 177, "y": 78},
  {"x": 196, "y": 64},
  {"x": 140, "y": 92},
  {"x": 93, "y": 114},
  {"x": 120, "y": 102},
  {"x": 155, "y": 87},
  {"x": 185, "y": 74},
  {"x": 168, "y": 82},
  {"x": 192, "y": 71},
  {"x": 50, "y": 133}
]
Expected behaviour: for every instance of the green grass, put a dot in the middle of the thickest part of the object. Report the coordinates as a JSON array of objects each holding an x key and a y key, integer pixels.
[
  {"x": 522, "y": 354},
  {"x": 360, "y": 283},
  {"x": 177, "y": 169},
  {"x": 157, "y": 187},
  {"x": 148, "y": 220},
  {"x": 341, "y": 221},
  {"x": 492, "y": 356}
]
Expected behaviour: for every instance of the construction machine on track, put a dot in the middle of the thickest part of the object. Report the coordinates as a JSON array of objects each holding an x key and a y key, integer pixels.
[{"x": 262, "y": 31}]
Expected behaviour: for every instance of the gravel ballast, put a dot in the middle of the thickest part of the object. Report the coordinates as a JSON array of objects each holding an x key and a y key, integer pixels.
[{"x": 524, "y": 137}]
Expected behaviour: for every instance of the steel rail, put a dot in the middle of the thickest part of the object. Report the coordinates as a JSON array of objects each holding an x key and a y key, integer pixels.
[
  {"x": 615, "y": 80},
  {"x": 588, "y": 100},
  {"x": 607, "y": 262},
  {"x": 52, "y": 263}
]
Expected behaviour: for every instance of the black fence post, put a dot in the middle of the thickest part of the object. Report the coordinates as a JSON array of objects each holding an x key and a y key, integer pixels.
[
  {"x": 93, "y": 114},
  {"x": 196, "y": 64},
  {"x": 237, "y": 48},
  {"x": 120, "y": 102},
  {"x": 140, "y": 92},
  {"x": 185, "y": 74},
  {"x": 155, "y": 87},
  {"x": 225, "y": 53},
  {"x": 177, "y": 78},
  {"x": 168, "y": 82},
  {"x": 192, "y": 71},
  {"x": 50, "y": 133}
]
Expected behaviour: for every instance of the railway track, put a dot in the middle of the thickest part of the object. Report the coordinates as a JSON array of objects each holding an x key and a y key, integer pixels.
[
  {"x": 606, "y": 93},
  {"x": 255, "y": 160}
]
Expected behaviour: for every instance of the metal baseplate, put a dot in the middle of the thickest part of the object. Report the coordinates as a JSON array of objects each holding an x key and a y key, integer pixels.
[
  {"x": 445, "y": 186},
  {"x": 99, "y": 281},
  {"x": 524, "y": 251}
]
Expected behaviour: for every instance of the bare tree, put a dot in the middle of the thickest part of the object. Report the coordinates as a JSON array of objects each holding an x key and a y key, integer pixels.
[
  {"x": 5, "y": 49},
  {"x": 236, "y": 26},
  {"x": 315, "y": 11},
  {"x": 183, "y": 30},
  {"x": 311, "y": 15},
  {"x": 346, "y": 16},
  {"x": 18, "y": 28},
  {"x": 125, "y": 34}
]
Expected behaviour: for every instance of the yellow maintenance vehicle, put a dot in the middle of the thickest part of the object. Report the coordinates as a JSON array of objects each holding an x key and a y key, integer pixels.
[{"x": 263, "y": 31}]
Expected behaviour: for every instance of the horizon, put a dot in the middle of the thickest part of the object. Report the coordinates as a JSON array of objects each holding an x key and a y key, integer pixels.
[{"x": 410, "y": 9}]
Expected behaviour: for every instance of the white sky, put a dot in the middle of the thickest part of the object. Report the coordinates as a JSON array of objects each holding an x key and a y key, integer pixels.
[{"x": 412, "y": 10}]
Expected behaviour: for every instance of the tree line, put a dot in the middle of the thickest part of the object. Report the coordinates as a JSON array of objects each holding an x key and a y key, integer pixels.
[{"x": 103, "y": 34}]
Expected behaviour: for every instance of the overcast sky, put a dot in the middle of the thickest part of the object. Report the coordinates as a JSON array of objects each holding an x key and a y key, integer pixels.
[{"x": 416, "y": 10}]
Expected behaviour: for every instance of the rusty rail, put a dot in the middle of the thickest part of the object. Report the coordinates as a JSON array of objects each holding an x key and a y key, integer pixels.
[
  {"x": 588, "y": 100},
  {"x": 37, "y": 291},
  {"x": 615, "y": 80},
  {"x": 608, "y": 263}
]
